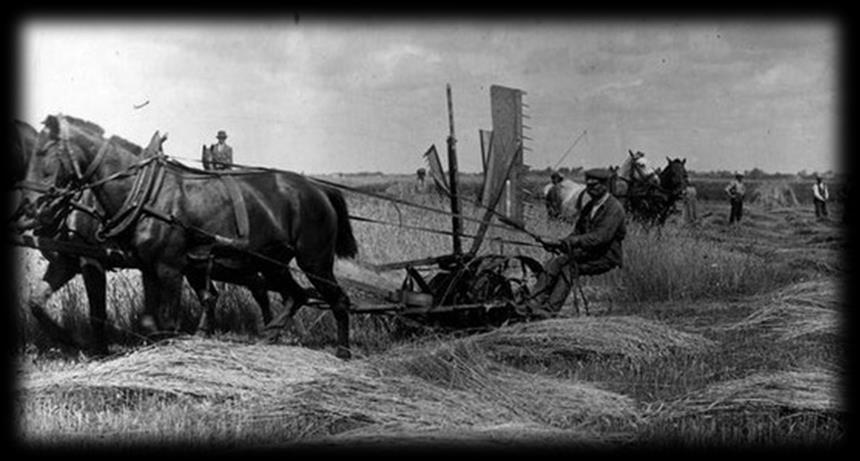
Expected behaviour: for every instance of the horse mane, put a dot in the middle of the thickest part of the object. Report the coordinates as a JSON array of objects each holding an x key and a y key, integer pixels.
[
  {"x": 126, "y": 144},
  {"x": 91, "y": 127},
  {"x": 85, "y": 124}
]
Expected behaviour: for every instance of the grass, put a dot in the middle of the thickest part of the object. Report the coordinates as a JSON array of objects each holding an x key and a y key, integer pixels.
[{"x": 711, "y": 282}]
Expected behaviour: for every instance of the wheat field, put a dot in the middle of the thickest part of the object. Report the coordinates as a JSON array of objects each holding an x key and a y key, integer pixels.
[{"x": 710, "y": 335}]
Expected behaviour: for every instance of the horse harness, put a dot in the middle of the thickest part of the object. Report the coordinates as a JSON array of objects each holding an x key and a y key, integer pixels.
[{"x": 148, "y": 180}]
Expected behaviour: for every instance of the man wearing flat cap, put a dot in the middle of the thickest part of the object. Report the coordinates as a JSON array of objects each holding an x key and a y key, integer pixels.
[
  {"x": 219, "y": 156},
  {"x": 594, "y": 247}
]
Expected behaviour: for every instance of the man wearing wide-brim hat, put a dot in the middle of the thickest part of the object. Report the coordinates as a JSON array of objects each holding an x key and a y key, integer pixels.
[
  {"x": 594, "y": 247},
  {"x": 218, "y": 156}
]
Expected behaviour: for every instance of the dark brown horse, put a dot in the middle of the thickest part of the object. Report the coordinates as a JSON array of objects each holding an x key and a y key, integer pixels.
[
  {"x": 81, "y": 227},
  {"x": 179, "y": 221},
  {"x": 78, "y": 227}
]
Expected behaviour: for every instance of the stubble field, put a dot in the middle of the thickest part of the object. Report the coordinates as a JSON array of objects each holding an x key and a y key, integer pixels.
[{"x": 710, "y": 335}]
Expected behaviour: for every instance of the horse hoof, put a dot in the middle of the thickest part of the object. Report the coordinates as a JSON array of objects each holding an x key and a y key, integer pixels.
[{"x": 343, "y": 353}]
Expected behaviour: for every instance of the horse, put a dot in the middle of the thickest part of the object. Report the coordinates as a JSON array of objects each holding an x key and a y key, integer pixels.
[
  {"x": 81, "y": 227},
  {"x": 564, "y": 199},
  {"x": 650, "y": 195},
  {"x": 186, "y": 222}
]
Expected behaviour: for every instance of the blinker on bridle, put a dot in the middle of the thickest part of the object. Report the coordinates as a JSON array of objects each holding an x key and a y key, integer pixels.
[{"x": 66, "y": 154}]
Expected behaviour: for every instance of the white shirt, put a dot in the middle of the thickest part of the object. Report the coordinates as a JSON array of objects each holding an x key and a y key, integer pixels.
[
  {"x": 819, "y": 190},
  {"x": 598, "y": 205}
]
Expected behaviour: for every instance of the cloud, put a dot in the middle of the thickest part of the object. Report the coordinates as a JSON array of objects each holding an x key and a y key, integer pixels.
[
  {"x": 612, "y": 86},
  {"x": 782, "y": 76}
]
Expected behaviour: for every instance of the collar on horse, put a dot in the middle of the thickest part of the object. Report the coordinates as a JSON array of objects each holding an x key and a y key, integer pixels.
[
  {"x": 149, "y": 174},
  {"x": 147, "y": 183}
]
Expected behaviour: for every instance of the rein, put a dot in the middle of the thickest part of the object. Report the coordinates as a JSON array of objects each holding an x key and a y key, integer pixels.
[{"x": 147, "y": 176}]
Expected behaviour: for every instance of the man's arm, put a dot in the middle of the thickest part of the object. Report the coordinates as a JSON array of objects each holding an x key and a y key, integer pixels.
[{"x": 816, "y": 193}]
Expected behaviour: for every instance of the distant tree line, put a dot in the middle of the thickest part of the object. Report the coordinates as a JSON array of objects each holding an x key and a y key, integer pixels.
[{"x": 755, "y": 173}]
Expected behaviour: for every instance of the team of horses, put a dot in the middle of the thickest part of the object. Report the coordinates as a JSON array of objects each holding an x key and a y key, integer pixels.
[
  {"x": 244, "y": 226},
  {"x": 178, "y": 222},
  {"x": 648, "y": 195}
]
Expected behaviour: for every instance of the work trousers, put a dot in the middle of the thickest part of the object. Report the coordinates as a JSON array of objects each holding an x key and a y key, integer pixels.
[
  {"x": 554, "y": 284},
  {"x": 820, "y": 208},
  {"x": 737, "y": 211}
]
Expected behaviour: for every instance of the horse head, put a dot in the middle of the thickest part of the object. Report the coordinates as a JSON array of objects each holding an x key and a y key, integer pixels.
[
  {"x": 674, "y": 178},
  {"x": 636, "y": 169},
  {"x": 67, "y": 154}
]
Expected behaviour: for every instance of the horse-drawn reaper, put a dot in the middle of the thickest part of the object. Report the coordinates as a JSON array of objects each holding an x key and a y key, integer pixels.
[{"x": 170, "y": 221}]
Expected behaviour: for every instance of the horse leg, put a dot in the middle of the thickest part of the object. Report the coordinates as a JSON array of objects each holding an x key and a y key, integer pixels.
[
  {"x": 257, "y": 286},
  {"x": 162, "y": 287},
  {"x": 149, "y": 321},
  {"x": 56, "y": 276},
  {"x": 169, "y": 281},
  {"x": 95, "y": 283},
  {"x": 293, "y": 296},
  {"x": 322, "y": 277},
  {"x": 207, "y": 294}
]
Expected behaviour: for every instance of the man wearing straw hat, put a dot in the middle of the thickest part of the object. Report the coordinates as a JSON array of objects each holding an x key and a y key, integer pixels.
[
  {"x": 594, "y": 247},
  {"x": 219, "y": 156}
]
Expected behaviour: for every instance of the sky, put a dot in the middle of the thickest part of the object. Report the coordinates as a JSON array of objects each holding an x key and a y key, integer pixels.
[{"x": 351, "y": 94}]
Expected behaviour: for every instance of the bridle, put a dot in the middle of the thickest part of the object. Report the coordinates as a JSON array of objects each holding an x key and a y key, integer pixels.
[{"x": 65, "y": 196}]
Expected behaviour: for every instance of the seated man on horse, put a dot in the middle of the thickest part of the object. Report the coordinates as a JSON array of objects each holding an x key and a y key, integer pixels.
[{"x": 594, "y": 247}]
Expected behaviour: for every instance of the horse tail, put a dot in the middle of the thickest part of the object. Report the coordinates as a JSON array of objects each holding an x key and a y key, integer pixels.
[{"x": 345, "y": 245}]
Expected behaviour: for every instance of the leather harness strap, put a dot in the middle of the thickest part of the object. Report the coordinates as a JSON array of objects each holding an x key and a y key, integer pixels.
[
  {"x": 146, "y": 185},
  {"x": 239, "y": 208}
]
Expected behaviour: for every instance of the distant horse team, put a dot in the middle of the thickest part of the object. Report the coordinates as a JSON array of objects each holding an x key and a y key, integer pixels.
[{"x": 648, "y": 195}]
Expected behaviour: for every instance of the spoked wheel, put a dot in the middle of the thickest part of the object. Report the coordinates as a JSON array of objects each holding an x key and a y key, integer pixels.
[{"x": 493, "y": 283}]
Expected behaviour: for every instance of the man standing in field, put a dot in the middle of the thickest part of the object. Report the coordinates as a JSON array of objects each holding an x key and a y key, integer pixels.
[
  {"x": 691, "y": 209},
  {"x": 219, "y": 156},
  {"x": 736, "y": 191},
  {"x": 421, "y": 184},
  {"x": 594, "y": 247},
  {"x": 820, "y": 195},
  {"x": 552, "y": 196}
]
